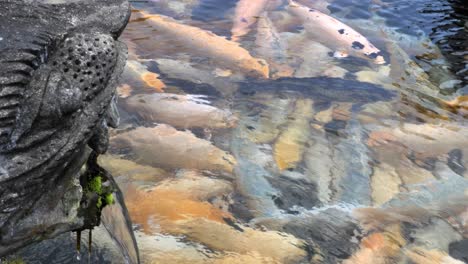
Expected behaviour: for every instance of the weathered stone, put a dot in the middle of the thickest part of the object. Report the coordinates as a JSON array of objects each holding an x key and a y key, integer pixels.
[
  {"x": 62, "y": 249},
  {"x": 59, "y": 66}
]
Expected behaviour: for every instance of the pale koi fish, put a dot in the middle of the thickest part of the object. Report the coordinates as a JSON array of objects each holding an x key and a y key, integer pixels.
[
  {"x": 335, "y": 35},
  {"x": 246, "y": 14},
  {"x": 204, "y": 43}
]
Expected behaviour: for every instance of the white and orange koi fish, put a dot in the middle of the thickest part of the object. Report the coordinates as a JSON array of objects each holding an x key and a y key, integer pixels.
[{"x": 134, "y": 69}]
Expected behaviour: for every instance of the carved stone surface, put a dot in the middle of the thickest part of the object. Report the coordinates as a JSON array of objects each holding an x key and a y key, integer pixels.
[{"x": 59, "y": 66}]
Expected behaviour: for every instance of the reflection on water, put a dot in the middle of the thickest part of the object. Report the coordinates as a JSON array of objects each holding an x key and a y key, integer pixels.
[{"x": 295, "y": 132}]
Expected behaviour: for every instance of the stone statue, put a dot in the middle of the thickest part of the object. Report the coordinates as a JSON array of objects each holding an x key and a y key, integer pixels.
[{"x": 59, "y": 67}]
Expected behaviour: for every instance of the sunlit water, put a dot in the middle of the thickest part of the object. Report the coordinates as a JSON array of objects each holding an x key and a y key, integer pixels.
[{"x": 327, "y": 160}]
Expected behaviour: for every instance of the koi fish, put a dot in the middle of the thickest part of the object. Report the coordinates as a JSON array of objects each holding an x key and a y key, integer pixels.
[
  {"x": 182, "y": 70},
  {"x": 321, "y": 5},
  {"x": 334, "y": 34},
  {"x": 271, "y": 47},
  {"x": 138, "y": 71},
  {"x": 428, "y": 139},
  {"x": 289, "y": 147},
  {"x": 205, "y": 43},
  {"x": 165, "y": 147},
  {"x": 182, "y": 111},
  {"x": 246, "y": 14}
]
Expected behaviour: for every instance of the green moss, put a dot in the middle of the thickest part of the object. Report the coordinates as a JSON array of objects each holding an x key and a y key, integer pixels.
[
  {"x": 109, "y": 198},
  {"x": 99, "y": 203},
  {"x": 104, "y": 194},
  {"x": 95, "y": 185},
  {"x": 13, "y": 260}
]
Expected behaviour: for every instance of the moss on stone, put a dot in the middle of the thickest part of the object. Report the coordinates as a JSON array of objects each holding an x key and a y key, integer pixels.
[
  {"x": 95, "y": 185},
  {"x": 105, "y": 196},
  {"x": 13, "y": 260},
  {"x": 109, "y": 199},
  {"x": 99, "y": 203}
]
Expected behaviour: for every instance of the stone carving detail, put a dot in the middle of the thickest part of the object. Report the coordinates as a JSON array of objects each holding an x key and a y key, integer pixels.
[{"x": 59, "y": 66}]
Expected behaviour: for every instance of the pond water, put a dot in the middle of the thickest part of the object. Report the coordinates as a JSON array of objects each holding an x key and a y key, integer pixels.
[{"x": 263, "y": 142}]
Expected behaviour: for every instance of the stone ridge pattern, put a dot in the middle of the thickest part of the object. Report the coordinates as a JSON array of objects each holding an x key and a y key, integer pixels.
[{"x": 59, "y": 67}]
